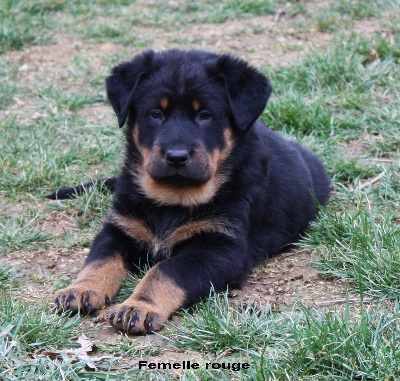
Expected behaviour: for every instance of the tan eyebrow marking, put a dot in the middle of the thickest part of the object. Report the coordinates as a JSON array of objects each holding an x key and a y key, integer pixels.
[
  {"x": 196, "y": 105},
  {"x": 164, "y": 103}
]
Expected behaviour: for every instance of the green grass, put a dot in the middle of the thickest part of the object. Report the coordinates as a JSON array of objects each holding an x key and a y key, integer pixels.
[
  {"x": 23, "y": 22},
  {"x": 359, "y": 240},
  {"x": 341, "y": 346},
  {"x": 106, "y": 31},
  {"x": 35, "y": 328},
  {"x": 307, "y": 344},
  {"x": 31, "y": 335},
  {"x": 214, "y": 326},
  {"x": 352, "y": 171},
  {"x": 58, "y": 130},
  {"x": 339, "y": 15},
  {"x": 8, "y": 278},
  {"x": 52, "y": 148},
  {"x": 26, "y": 331},
  {"x": 331, "y": 94},
  {"x": 130, "y": 282},
  {"x": 365, "y": 9},
  {"x": 8, "y": 88},
  {"x": 66, "y": 101},
  {"x": 18, "y": 233}
]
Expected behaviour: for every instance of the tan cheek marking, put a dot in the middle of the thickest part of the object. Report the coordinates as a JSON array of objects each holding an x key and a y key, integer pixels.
[
  {"x": 145, "y": 152},
  {"x": 196, "y": 105},
  {"x": 218, "y": 156},
  {"x": 164, "y": 103},
  {"x": 135, "y": 134},
  {"x": 188, "y": 196},
  {"x": 229, "y": 143},
  {"x": 229, "y": 138}
]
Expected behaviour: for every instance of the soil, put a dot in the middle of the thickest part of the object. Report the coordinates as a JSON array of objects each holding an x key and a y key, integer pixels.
[{"x": 267, "y": 40}]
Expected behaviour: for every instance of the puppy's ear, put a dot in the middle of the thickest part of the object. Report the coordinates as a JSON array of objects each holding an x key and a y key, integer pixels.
[
  {"x": 123, "y": 81},
  {"x": 248, "y": 90}
]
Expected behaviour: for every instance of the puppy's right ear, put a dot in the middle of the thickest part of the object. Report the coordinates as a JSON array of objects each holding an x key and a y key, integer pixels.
[{"x": 123, "y": 81}]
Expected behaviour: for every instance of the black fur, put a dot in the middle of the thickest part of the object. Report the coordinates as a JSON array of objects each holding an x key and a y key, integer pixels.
[
  {"x": 269, "y": 190},
  {"x": 78, "y": 190}
]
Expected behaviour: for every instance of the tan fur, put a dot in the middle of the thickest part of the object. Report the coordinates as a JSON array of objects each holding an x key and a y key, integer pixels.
[
  {"x": 97, "y": 283},
  {"x": 196, "y": 105},
  {"x": 133, "y": 227},
  {"x": 145, "y": 152},
  {"x": 191, "y": 195},
  {"x": 156, "y": 297},
  {"x": 188, "y": 196},
  {"x": 163, "y": 246},
  {"x": 164, "y": 103},
  {"x": 192, "y": 228},
  {"x": 218, "y": 156}
]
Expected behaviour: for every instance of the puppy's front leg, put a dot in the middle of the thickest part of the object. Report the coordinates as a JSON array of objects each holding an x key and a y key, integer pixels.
[
  {"x": 100, "y": 279},
  {"x": 154, "y": 300},
  {"x": 181, "y": 280},
  {"x": 96, "y": 285}
]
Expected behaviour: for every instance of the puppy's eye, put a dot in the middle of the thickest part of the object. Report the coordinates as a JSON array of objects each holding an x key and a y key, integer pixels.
[
  {"x": 156, "y": 114},
  {"x": 205, "y": 115}
]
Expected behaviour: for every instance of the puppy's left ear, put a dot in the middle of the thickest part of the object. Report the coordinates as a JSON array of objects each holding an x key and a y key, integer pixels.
[
  {"x": 123, "y": 81},
  {"x": 248, "y": 90}
]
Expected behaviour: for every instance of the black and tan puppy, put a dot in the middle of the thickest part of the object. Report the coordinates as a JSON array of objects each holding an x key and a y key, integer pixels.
[{"x": 206, "y": 191}]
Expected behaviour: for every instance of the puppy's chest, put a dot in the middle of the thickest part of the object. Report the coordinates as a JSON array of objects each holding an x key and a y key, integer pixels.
[{"x": 161, "y": 234}]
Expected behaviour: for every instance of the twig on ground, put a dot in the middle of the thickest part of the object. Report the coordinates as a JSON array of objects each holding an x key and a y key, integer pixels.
[
  {"x": 339, "y": 301},
  {"x": 372, "y": 181}
]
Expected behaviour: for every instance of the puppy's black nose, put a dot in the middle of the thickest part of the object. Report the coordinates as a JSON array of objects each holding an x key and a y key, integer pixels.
[{"x": 177, "y": 156}]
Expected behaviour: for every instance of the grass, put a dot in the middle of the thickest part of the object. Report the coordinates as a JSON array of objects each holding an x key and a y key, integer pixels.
[
  {"x": 359, "y": 241},
  {"x": 8, "y": 88},
  {"x": 332, "y": 94},
  {"x": 346, "y": 347},
  {"x": 38, "y": 141},
  {"x": 24, "y": 24},
  {"x": 18, "y": 18},
  {"x": 359, "y": 10},
  {"x": 215, "y": 326},
  {"x": 32, "y": 338},
  {"x": 17, "y": 233},
  {"x": 57, "y": 129},
  {"x": 339, "y": 14},
  {"x": 26, "y": 331},
  {"x": 307, "y": 344}
]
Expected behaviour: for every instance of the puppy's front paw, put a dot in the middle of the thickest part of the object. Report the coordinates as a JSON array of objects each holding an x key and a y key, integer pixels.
[
  {"x": 80, "y": 298},
  {"x": 137, "y": 317}
]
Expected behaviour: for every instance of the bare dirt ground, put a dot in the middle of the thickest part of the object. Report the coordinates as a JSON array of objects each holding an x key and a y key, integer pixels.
[{"x": 263, "y": 41}]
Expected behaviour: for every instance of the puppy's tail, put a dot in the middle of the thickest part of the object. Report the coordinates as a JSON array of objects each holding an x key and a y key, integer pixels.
[{"x": 77, "y": 190}]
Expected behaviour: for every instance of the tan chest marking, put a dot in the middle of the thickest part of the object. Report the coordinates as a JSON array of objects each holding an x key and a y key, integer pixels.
[{"x": 163, "y": 246}]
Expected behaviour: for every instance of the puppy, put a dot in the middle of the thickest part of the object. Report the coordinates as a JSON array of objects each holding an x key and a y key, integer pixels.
[{"x": 206, "y": 191}]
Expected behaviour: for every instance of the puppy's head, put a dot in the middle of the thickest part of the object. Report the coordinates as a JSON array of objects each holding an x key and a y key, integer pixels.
[{"x": 184, "y": 110}]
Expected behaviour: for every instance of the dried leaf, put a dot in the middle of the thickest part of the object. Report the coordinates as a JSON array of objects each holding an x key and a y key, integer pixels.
[
  {"x": 373, "y": 57},
  {"x": 80, "y": 354},
  {"x": 85, "y": 343}
]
